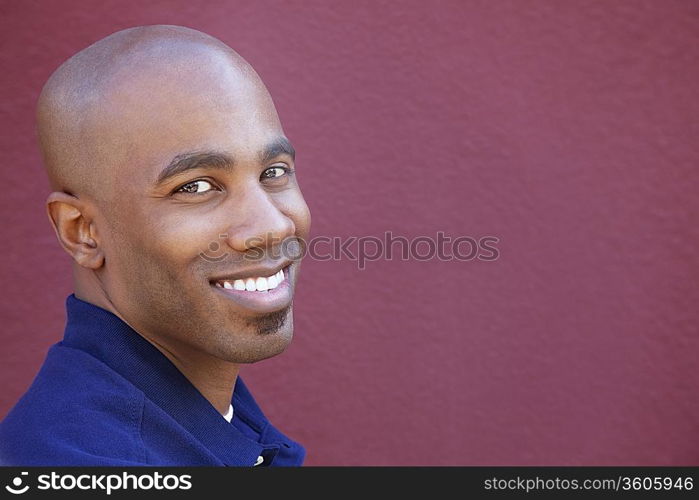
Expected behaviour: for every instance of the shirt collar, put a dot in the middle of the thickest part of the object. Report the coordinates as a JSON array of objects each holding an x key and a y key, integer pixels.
[{"x": 109, "y": 339}]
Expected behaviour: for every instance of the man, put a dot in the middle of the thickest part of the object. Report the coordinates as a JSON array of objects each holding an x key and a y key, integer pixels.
[{"x": 174, "y": 193}]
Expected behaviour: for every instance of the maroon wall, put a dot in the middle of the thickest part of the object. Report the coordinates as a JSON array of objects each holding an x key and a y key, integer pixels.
[{"x": 566, "y": 129}]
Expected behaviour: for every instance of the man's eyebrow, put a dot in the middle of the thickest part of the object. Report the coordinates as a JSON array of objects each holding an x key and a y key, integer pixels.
[
  {"x": 195, "y": 159},
  {"x": 279, "y": 146},
  {"x": 214, "y": 159}
]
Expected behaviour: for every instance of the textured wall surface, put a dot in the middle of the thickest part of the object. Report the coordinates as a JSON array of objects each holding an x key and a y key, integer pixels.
[{"x": 568, "y": 130}]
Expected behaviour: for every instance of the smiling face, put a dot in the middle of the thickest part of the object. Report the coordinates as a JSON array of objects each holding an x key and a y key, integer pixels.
[
  {"x": 216, "y": 172},
  {"x": 200, "y": 200}
]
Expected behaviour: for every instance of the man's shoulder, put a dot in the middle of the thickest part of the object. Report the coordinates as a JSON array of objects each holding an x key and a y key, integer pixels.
[{"x": 76, "y": 411}]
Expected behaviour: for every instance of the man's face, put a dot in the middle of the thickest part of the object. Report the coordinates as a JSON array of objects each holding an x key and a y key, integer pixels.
[{"x": 204, "y": 194}]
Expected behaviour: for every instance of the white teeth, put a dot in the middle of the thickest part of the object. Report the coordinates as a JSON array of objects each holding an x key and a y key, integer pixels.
[{"x": 261, "y": 284}]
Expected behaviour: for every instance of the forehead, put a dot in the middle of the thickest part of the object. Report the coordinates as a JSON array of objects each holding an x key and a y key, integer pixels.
[{"x": 188, "y": 104}]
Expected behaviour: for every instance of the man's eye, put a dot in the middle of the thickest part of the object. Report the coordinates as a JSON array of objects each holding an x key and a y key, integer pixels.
[
  {"x": 196, "y": 187},
  {"x": 274, "y": 172}
]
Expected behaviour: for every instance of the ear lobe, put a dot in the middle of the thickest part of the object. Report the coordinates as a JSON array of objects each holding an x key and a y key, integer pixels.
[{"x": 74, "y": 229}]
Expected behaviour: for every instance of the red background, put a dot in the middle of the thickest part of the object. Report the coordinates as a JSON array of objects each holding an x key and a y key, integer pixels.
[{"x": 566, "y": 129}]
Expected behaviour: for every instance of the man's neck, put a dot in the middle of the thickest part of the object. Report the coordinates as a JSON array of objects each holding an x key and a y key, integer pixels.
[{"x": 214, "y": 378}]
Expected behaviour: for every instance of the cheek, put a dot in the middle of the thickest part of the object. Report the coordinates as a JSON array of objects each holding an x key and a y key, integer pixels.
[
  {"x": 183, "y": 237},
  {"x": 165, "y": 243}
]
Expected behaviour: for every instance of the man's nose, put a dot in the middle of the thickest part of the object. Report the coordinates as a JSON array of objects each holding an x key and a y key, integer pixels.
[{"x": 259, "y": 222}]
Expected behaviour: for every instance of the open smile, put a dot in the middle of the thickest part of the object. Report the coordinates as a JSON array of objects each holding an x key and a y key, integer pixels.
[{"x": 260, "y": 294}]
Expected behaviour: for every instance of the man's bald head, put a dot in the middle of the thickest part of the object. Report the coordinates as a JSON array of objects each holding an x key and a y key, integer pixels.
[{"x": 95, "y": 109}]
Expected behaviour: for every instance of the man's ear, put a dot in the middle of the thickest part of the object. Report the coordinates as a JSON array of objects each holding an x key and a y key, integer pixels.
[{"x": 75, "y": 229}]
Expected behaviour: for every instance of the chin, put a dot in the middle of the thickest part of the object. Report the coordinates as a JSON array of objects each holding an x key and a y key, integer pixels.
[
  {"x": 254, "y": 346},
  {"x": 254, "y": 338},
  {"x": 260, "y": 353}
]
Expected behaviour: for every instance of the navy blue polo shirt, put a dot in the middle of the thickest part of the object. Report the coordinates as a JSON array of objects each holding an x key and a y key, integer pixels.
[{"x": 105, "y": 396}]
